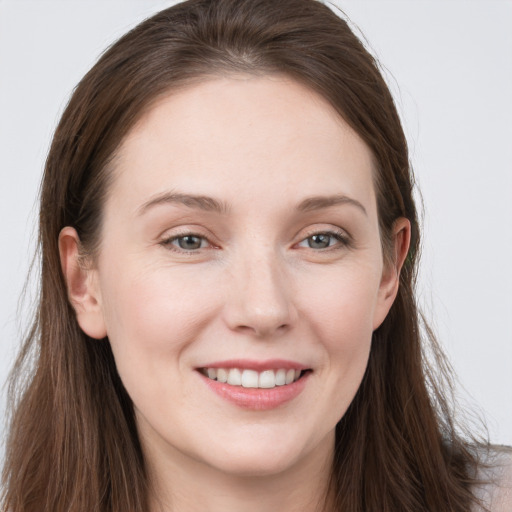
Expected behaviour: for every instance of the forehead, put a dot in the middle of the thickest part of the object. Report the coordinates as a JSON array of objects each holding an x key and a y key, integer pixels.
[{"x": 239, "y": 136}]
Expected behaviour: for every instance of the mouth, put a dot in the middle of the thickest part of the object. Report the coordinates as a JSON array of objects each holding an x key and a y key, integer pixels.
[
  {"x": 249, "y": 378},
  {"x": 255, "y": 384}
]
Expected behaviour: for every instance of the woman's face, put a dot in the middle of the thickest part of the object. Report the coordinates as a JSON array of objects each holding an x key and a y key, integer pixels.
[{"x": 240, "y": 241}]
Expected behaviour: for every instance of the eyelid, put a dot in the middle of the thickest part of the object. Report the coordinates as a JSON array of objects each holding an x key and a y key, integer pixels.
[
  {"x": 342, "y": 236},
  {"x": 344, "y": 239},
  {"x": 166, "y": 240}
]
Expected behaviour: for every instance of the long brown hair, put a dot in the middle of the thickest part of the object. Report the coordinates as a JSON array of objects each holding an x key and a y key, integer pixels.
[{"x": 73, "y": 443}]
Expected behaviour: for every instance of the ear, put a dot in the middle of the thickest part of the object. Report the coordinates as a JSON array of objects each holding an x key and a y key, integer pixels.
[
  {"x": 391, "y": 272},
  {"x": 82, "y": 285}
]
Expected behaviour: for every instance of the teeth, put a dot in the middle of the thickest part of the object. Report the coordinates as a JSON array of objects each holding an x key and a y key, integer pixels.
[
  {"x": 267, "y": 379},
  {"x": 280, "y": 377},
  {"x": 235, "y": 377},
  {"x": 251, "y": 378}
]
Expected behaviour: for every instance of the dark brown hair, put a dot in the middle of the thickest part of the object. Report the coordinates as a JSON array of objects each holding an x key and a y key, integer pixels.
[{"x": 73, "y": 443}]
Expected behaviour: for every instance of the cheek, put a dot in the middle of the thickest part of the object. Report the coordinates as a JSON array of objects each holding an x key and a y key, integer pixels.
[
  {"x": 341, "y": 304},
  {"x": 153, "y": 315},
  {"x": 340, "y": 312}
]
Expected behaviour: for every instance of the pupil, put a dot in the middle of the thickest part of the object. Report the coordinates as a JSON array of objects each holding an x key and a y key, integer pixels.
[
  {"x": 319, "y": 241},
  {"x": 189, "y": 242}
]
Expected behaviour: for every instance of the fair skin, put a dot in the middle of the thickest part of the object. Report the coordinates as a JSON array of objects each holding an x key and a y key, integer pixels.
[{"x": 281, "y": 267}]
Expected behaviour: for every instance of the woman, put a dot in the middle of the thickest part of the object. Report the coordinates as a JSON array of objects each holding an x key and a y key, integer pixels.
[{"x": 227, "y": 316}]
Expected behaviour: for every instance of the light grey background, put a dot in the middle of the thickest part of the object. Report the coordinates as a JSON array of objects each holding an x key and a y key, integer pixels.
[{"x": 449, "y": 64}]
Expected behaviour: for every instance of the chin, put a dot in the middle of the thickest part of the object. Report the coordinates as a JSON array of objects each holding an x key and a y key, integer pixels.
[
  {"x": 256, "y": 464},
  {"x": 262, "y": 456}
]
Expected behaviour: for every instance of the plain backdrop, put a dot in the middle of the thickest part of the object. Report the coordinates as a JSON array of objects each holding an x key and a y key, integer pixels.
[{"x": 449, "y": 65}]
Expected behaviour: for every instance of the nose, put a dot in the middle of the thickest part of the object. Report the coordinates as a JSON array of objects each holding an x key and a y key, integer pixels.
[{"x": 260, "y": 297}]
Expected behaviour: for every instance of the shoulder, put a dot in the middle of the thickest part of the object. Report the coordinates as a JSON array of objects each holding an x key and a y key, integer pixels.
[{"x": 495, "y": 479}]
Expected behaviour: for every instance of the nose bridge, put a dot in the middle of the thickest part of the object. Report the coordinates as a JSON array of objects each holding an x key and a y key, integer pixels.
[{"x": 260, "y": 294}]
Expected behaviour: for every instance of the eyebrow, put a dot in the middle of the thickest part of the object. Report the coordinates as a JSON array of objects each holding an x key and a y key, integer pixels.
[
  {"x": 205, "y": 203},
  {"x": 320, "y": 202},
  {"x": 210, "y": 204}
]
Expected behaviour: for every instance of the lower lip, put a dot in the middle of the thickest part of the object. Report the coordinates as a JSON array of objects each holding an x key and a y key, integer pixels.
[{"x": 257, "y": 399}]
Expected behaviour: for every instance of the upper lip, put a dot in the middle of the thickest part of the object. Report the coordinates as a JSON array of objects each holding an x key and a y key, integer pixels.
[{"x": 259, "y": 366}]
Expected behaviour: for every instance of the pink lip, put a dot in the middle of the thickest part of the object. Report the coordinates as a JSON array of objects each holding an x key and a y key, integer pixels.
[
  {"x": 257, "y": 399},
  {"x": 259, "y": 366}
]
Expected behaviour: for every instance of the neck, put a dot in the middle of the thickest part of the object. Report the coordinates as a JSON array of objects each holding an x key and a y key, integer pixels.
[{"x": 182, "y": 484}]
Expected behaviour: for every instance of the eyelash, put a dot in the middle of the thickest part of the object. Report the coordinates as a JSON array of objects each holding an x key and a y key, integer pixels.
[
  {"x": 169, "y": 242},
  {"x": 344, "y": 241},
  {"x": 341, "y": 237}
]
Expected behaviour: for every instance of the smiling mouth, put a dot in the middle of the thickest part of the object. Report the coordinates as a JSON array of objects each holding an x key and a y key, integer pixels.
[{"x": 266, "y": 379}]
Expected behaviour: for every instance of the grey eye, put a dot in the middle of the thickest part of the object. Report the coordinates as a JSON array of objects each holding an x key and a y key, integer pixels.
[
  {"x": 189, "y": 242},
  {"x": 319, "y": 241}
]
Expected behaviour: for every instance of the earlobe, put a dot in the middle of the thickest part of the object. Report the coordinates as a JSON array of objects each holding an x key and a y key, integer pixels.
[
  {"x": 391, "y": 274},
  {"x": 82, "y": 285}
]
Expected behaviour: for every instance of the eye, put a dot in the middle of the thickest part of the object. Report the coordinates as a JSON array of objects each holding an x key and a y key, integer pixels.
[
  {"x": 186, "y": 242},
  {"x": 324, "y": 240}
]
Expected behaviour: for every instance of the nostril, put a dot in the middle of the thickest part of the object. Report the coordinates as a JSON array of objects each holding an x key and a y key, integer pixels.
[{"x": 262, "y": 329}]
